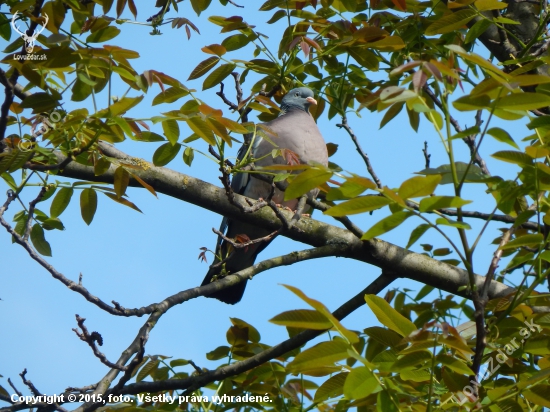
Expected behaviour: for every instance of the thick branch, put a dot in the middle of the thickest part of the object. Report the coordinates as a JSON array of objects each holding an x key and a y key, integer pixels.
[{"x": 376, "y": 252}]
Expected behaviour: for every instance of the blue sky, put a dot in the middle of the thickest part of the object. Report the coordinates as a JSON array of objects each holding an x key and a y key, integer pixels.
[{"x": 138, "y": 259}]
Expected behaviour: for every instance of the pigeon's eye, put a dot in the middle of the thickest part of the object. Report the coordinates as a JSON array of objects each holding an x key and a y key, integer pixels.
[{"x": 297, "y": 94}]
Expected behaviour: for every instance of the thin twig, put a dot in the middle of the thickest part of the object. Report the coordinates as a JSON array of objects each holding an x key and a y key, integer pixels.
[
  {"x": 14, "y": 388},
  {"x": 469, "y": 140},
  {"x": 32, "y": 206},
  {"x": 427, "y": 156},
  {"x": 344, "y": 125},
  {"x": 91, "y": 339},
  {"x": 194, "y": 365},
  {"x": 239, "y": 245}
]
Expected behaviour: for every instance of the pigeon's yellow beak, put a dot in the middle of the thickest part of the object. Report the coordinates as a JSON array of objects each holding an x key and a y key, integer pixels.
[{"x": 311, "y": 100}]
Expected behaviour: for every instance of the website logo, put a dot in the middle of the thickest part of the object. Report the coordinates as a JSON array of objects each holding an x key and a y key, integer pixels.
[{"x": 29, "y": 40}]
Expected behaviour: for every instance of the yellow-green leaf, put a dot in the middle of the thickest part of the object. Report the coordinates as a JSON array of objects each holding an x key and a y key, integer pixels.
[
  {"x": 440, "y": 202},
  {"x": 201, "y": 128},
  {"x": 320, "y": 355},
  {"x": 88, "y": 205},
  {"x": 502, "y": 136},
  {"x": 358, "y": 205},
  {"x": 512, "y": 156},
  {"x": 332, "y": 387},
  {"x": 531, "y": 240},
  {"x": 203, "y": 67},
  {"x": 360, "y": 383},
  {"x": 386, "y": 224},
  {"x": 302, "y": 318},
  {"x": 524, "y": 101},
  {"x": 61, "y": 201},
  {"x": 121, "y": 181},
  {"x": 165, "y": 154},
  {"x": 39, "y": 241},
  {"x": 318, "y": 306},
  {"x": 218, "y": 75},
  {"x": 418, "y": 186},
  {"x": 389, "y": 317},
  {"x": 171, "y": 130},
  {"x": 451, "y": 22},
  {"x": 306, "y": 181}
]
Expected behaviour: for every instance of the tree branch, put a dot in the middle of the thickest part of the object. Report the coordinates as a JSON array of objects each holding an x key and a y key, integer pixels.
[
  {"x": 376, "y": 252},
  {"x": 194, "y": 382}
]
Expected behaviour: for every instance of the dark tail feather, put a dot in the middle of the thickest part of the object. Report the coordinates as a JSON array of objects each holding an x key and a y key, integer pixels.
[{"x": 230, "y": 295}]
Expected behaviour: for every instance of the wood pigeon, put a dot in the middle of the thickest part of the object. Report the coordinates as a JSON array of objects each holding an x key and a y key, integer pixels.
[{"x": 295, "y": 130}]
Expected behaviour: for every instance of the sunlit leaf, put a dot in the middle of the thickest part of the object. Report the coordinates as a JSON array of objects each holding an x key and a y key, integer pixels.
[
  {"x": 386, "y": 224},
  {"x": 389, "y": 317}
]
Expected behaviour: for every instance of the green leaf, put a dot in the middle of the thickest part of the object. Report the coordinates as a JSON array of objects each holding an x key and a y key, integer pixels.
[
  {"x": 477, "y": 29},
  {"x": 188, "y": 156},
  {"x": 150, "y": 137},
  {"x": 358, "y": 205},
  {"x": 431, "y": 203},
  {"x": 332, "y": 387},
  {"x": 386, "y": 224},
  {"x": 302, "y": 318},
  {"x": 360, "y": 383},
  {"x": 417, "y": 234},
  {"x": 425, "y": 291},
  {"x": 88, "y": 205},
  {"x": 502, "y": 136},
  {"x": 482, "y": 5},
  {"x": 218, "y": 75},
  {"x": 384, "y": 403},
  {"x": 123, "y": 201},
  {"x": 219, "y": 353},
  {"x": 450, "y": 22},
  {"x": 165, "y": 154},
  {"x": 235, "y": 42},
  {"x": 418, "y": 186},
  {"x": 351, "y": 188},
  {"x": 452, "y": 223},
  {"x": 120, "y": 107},
  {"x": 170, "y": 95},
  {"x": 468, "y": 102},
  {"x": 410, "y": 360},
  {"x": 203, "y": 67},
  {"x": 121, "y": 181},
  {"x": 104, "y": 34},
  {"x": 52, "y": 223},
  {"x": 171, "y": 130},
  {"x": 61, "y": 201},
  {"x": 201, "y": 128},
  {"x": 39, "y": 102},
  {"x": 538, "y": 345},
  {"x": 39, "y": 241},
  {"x": 5, "y": 27},
  {"x": 200, "y": 5},
  {"x": 389, "y": 317},
  {"x": 512, "y": 156},
  {"x": 532, "y": 240},
  {"x": 321, "y": 355},
  {"x": 306, "y": 181},
  {"x": 349, "y": 335},
  {"x": 393, "y": 111},
  {"x": 524, "y": 101}
]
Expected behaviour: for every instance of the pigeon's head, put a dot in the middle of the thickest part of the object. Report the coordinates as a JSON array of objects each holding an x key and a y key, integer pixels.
[{"x": 300, "y": 98}]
